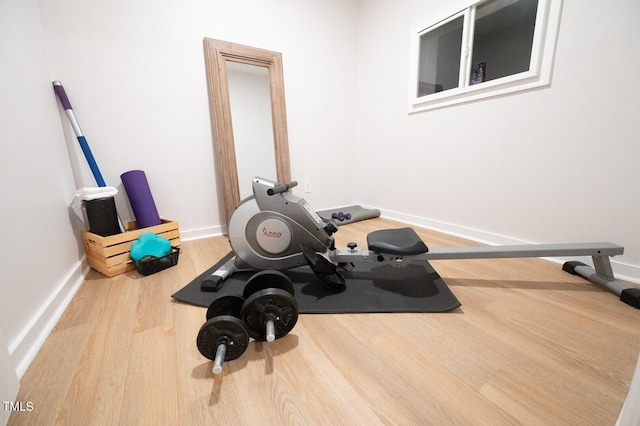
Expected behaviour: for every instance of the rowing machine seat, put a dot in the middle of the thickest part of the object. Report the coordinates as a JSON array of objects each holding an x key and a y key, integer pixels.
[{"x": 403, "y": 242}]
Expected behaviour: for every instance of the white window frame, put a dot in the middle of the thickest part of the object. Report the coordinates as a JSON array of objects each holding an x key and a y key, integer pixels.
[{"x": 538, "y": 75}]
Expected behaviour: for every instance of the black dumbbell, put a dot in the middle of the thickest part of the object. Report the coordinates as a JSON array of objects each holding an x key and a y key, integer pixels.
[
  {"x": 224, "y": 337},
  {"x": 270, "y": 310}
]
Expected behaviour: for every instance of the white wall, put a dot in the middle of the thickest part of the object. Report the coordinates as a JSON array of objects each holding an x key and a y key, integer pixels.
[{"x": 558, "y": 164}]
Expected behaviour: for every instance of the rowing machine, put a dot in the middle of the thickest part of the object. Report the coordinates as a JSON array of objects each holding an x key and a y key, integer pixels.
[{"x": 276, "y": 230}]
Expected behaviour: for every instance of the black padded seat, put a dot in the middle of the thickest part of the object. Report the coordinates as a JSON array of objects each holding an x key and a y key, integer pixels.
[{"x": 403, "y": 241}]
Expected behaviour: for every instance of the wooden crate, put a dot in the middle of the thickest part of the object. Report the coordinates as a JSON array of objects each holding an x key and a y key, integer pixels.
[{"x": 110, "y": 255}]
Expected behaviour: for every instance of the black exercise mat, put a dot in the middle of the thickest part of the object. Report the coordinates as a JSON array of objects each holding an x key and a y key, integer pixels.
[{"x": 371, "y": 287}]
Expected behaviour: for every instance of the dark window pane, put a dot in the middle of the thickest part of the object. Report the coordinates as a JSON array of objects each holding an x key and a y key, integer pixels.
[
  {"x": 439, "y": 66},
  {"x": 503, "y": 38}
]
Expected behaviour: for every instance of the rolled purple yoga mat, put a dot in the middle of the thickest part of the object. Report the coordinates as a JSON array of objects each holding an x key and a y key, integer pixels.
[{"x": 139, "y": 194}]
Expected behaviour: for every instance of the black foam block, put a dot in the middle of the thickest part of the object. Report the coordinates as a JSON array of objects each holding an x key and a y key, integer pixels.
[{"x": 102, "y": 216}]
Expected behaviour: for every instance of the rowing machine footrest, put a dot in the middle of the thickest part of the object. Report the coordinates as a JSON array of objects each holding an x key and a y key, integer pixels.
[{"x": 324, "y": 269}]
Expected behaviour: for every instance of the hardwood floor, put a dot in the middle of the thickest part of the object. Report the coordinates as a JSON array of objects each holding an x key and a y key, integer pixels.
[{"x": 531, "y": 344}]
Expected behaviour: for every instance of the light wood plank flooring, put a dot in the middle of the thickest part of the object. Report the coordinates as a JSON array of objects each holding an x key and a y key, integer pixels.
[{"x": 531, "y": 345}]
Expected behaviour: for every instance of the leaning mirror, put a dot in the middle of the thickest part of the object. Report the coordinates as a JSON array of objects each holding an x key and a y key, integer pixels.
[{"x": 246, "y": 127}]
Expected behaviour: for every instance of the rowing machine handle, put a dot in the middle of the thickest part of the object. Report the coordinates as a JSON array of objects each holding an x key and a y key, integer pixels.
[{"x": 281, "y": 187}]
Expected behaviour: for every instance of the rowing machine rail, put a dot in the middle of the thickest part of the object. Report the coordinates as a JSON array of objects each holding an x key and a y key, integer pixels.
[{"x": 601, "y": 273}]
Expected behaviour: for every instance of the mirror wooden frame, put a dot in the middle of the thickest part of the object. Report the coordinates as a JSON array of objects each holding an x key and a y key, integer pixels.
[{"x": 216, "y": 53}]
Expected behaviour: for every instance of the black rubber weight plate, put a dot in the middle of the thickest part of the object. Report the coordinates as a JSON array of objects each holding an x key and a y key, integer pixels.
[
  {"x": 267, "y": 279},
  {"x": 226, "y": 305},
  {"x": 223, "y": 329},
  {"x": 272, "y": 303}
]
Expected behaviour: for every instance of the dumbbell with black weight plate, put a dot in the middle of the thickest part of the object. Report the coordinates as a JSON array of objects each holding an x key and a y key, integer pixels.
[
  {"x": 224, "y": 337},
  {"x": 270, "y": 310}
]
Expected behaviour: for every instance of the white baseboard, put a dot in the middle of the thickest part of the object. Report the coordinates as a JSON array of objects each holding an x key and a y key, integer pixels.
[
  {"x": 25, "y": 347},
  {"x": 623, "y": 271},
  {"x": 198, "y": 234}
]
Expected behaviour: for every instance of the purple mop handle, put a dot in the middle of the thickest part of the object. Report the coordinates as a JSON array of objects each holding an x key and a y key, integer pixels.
[{"x": 64, "y": 100}]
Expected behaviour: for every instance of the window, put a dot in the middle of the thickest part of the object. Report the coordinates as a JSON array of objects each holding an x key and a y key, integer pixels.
[
  {"x": 486, "y": 49},
  {"x": 439, "y": 66}
]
